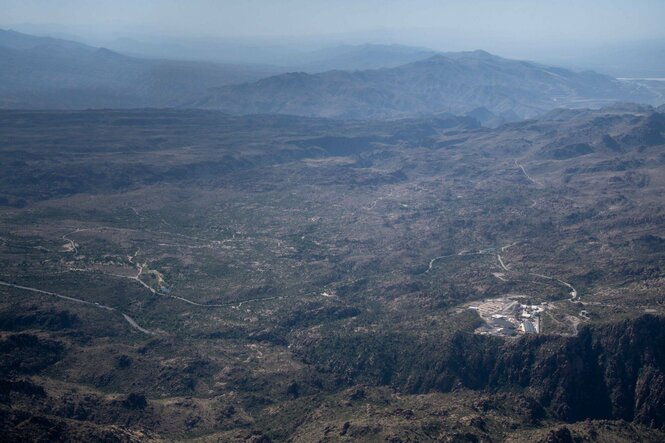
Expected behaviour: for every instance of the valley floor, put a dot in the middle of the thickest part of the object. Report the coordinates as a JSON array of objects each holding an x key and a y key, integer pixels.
[{"x": 190, "y": 275}]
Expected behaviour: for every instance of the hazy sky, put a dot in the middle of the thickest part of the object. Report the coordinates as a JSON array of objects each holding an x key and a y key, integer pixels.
[
  {"x": 595, "y": 34},
  {"x": 565, "y": 20}
]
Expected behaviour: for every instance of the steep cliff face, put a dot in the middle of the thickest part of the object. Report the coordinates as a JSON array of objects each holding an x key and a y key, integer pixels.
[
  {"x": 611, "y": 371},
  {"x": 614, "y": 371}
]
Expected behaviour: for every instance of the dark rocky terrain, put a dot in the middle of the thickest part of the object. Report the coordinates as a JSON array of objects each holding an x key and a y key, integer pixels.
[{"x": 192, "y": 275}]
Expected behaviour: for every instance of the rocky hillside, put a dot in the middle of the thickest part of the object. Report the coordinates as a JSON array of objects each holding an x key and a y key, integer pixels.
[{"x": 613, "y": 371}]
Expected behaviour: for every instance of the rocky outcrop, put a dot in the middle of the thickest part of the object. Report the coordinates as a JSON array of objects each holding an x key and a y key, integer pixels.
[{"x": 28, "y": 354}]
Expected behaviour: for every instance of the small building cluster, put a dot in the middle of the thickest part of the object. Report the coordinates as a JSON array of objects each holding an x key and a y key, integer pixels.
[{"x": 508, "y": 317}]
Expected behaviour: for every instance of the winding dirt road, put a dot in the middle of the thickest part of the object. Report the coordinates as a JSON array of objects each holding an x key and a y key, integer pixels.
[
  {"x": 459, "y": 254},
  {"x": 129, "y": 320},
  {"x": 573, "y": 291},
  {"x": 531, "y": 179}
]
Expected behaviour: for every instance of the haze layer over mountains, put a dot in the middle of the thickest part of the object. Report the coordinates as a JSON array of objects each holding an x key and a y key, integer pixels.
[
  {"x": 42, "y": 72},
  {"x": 367, "y": 81}
]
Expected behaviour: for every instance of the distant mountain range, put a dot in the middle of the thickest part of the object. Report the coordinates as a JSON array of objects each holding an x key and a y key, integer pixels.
[
  {"x": 278, "y": 57},
  {"x": 42, "y": 72},
  {"x": 459, "y": 83},
  {"x": 359, "y": 82},
  {"x": 358, "y": 57}
]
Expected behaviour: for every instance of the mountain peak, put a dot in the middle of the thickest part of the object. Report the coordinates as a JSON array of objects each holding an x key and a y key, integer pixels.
[{"x": 479, "y": 53}]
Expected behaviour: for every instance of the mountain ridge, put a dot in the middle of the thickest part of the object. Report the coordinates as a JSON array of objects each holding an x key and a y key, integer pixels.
[
  {"x": 456, "y": 84},
  {"x": 44, "y": 72}
]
